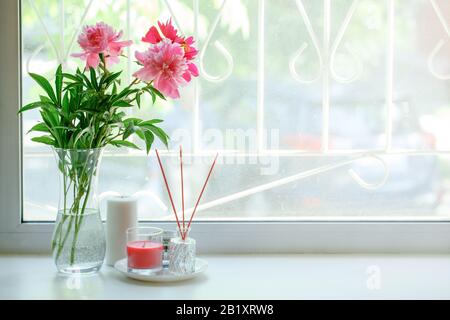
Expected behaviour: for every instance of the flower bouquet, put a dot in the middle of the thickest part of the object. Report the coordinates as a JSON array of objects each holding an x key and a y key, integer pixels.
[{"x": 84, "y": 111}]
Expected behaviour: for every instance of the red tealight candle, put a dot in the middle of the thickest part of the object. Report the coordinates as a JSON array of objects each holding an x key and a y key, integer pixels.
[{"x": 144, "y": 254}]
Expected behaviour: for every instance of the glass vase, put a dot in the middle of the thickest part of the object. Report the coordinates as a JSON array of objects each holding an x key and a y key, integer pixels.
[
  {"x": 78, "y": 243},
  {"x": 182, "y": 251}
]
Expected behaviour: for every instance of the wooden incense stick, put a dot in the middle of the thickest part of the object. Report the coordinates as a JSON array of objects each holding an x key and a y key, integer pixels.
[
  {"x": 168, "y": 190},
  {"x": 182, "y": 188}
]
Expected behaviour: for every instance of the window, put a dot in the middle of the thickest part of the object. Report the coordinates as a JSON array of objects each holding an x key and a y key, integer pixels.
[
  {"x": 303, "y": 96},
  {"x": 332, "y": 110}
]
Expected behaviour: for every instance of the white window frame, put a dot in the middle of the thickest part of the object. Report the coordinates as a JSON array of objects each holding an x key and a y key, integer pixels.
[{"x": 301, "y": 236}]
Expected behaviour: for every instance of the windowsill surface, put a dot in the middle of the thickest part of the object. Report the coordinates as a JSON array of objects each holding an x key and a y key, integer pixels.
[{"x": 244, "y": 277}]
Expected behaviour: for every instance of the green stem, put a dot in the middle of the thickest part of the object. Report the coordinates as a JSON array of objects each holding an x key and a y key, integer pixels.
[
  {"x": 56, "y": 241},
  {"x": 81, "y": 180},
  {"x": 80, "y": 216},
  {"x": 61, "y": 244}
]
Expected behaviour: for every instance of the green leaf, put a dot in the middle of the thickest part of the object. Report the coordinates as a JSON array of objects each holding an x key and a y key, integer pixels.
[
  {"x": 58, "y": 83},
  {"x": 134, "y": 121},
  {"x": 157, "y": 92},
  {"x": 110, "y": 79},
  {"x": 151, "y": 93},
  {"x": 93, "y": 78},
  {"x": 138, "y": 99},
  {"x": 46, "y": 100},
  {"x": 86, "y": 80},
  {"x": 140, "y": 134},
  {"x": 158, "y": 132},
  {"x": 124, "y": 143},
  {"x": 150, "y": 122},
  {"x": 129, "y": 130},
  {"x": 41, "y": 127},
  {"x": 118, "y": 116},
  {"x": 80, "y": 134},
  {"x": 65, "y": 105},
  {"x": 50, "y": 116},
  {"x": 72, "y": 85},
  {"x": 32, "y": 105},
  {"x": 44, "y": 139},
  {"x": 122, "y": 104},
  {"x": 153, "y": 97},
  {"x": 44, "y": 85},
  {"x": 124, "y": 93},
  {"x": 149, "y": 138},
  {"x": 65, "y": 128},
  {"x": 72, "y": 77},
  {"x": 51, "y": 119}
]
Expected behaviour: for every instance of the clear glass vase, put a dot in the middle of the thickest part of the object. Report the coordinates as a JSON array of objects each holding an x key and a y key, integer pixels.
[{"x": 78, "y": 243}]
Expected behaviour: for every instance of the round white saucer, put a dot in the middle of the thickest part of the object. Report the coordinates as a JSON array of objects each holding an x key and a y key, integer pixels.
[{"x": 163, "y": 275}]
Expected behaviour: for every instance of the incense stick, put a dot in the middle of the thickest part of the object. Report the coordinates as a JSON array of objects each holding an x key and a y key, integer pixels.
[
  {"x": 168, "y": 189},
  {"x": 203, "y": 189},
  {"x": 182, "y": 189}
]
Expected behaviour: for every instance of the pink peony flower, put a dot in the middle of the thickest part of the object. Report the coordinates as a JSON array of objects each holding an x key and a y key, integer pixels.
[
  {"x": 169, "y": 32},
  {"x": 189, "y": 51},
  {"x": 164, "y": 64},
  {"x": 168, "y": 62},
  {"x": 152, "y": 36},
  {"x": 100, "y": 39}
]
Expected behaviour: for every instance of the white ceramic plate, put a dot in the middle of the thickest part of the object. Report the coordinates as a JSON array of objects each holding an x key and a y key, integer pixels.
[{"x": 163, "y": 275}]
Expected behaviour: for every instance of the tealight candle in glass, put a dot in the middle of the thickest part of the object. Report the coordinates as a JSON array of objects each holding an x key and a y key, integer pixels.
[
  {"x": 144, "y": 249},
  {"x": 182, "y": 253}
]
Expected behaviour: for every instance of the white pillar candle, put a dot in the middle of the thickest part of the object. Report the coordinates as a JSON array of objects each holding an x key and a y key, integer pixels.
[{"x": 121, "y": 214}]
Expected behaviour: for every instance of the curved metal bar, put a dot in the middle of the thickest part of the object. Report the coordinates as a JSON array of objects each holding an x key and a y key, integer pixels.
[
  {"x": 172, "y": 14},
  {"x": 47, "y": 33},
  {"x": 77, "y": 31},
  {"x": 297, "y": 55},
  {"x": 439, "y": 45},
  {"x": 31, "y": 57},
  {"x": 293, "y": 70},
  {"x": 355, "y": 75},
  {"x": 228, "y": 58},
  {"x": 340, "y": 35},
  {"x": 220, "y": 48},
  {"x": 440, "y": 17},
  {"x": 431, "y": 58},
  {"x": 367, "y": 185},
  {"x": 62, "y": 56}
]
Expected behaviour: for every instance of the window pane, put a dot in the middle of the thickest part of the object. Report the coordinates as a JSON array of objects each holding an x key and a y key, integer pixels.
[{"x": 293, "y": 95}]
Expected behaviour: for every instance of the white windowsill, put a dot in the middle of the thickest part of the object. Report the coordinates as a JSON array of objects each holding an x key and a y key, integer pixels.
[{"x": 244, "y": 277}]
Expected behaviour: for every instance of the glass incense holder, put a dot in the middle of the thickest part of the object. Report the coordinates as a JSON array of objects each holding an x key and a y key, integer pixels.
[
  {"x": 144, "y": 249},
  {"x": 168, "y": 235},
  {"x": 182, "y": 254}
]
